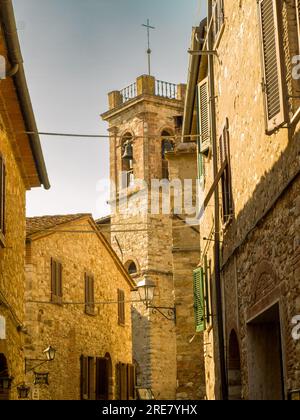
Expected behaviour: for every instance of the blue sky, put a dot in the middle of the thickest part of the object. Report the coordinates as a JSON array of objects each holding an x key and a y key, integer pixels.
[{"x": 75, "y": 52}]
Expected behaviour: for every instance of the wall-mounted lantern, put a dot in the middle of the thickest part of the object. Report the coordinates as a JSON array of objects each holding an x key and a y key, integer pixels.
[
  {"x": 50, "y": 353},
  {"x": 23, "y": 391},
  {"x": 5, "y": 382},
  {"x": 146, "y": 289}
]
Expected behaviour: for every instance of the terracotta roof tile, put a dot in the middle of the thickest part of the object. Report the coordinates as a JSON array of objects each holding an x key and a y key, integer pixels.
[{"x": 39, "y": 224}]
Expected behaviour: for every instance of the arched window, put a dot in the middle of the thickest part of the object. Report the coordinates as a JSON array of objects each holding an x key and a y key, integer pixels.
[
  {"x": 131, "y": 268},
  {"x": 167, "y": 145},
  {"x": 127, "y": 160}
]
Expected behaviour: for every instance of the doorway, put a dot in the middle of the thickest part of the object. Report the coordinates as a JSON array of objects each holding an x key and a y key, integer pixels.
[
  {"x": 4, "y": 393},
  {"x": 234, "y": 368},
  {"x": 265, "y": 356},
  {"x": 104, "y": 379}
]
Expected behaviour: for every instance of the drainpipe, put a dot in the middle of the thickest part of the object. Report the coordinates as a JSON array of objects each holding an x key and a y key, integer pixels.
[{"x": 212, "y": 102}]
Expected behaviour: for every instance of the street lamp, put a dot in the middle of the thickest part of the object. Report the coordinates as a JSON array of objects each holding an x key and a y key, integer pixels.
[
  {"x": 50, "y": 353},
  {"x": 146, "y": 289}
]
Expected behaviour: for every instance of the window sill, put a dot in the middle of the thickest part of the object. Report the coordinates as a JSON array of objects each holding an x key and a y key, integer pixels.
[
  {"x": 2, "y": 240},
  {"x": 121, "y": 325},
  {"x": 90, "y": 312}
]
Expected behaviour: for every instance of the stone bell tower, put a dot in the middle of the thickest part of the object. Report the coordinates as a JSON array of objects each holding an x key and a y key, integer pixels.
[{"x": 143, "y": 123}]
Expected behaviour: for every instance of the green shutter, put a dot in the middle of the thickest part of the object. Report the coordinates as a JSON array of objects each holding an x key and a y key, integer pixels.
[
  {"x": 202, "y": 122},
  {"x": 199, "y": 300}
]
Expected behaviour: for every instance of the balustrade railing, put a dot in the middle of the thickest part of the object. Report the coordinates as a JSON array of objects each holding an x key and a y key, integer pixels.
[
  {"x": 129, "y": 92},
  {"x": 165, "y": 89}
]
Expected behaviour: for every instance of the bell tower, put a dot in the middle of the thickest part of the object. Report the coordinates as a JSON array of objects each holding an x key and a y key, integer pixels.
[{"x": 143, "y": 126}]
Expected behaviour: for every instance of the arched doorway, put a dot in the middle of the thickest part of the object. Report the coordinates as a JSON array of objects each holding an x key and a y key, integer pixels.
[
  {"x": 234, "y": 368},
  {"x": 4, "y": 393},
  {"x": 167, "y": 145}
]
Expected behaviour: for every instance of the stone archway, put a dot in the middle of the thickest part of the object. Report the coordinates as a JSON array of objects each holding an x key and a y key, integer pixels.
[
  {"x": 234, "y": 368},
  {"x": 4, "y": 393}
]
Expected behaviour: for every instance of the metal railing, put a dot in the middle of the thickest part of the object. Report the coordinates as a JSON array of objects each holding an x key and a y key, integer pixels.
[
  {"x": 165, "y": 89},
  {"x": 129, "y": 92}
]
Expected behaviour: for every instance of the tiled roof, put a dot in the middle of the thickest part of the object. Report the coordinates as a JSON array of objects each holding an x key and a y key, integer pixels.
[{"x": 39, "y": 224}]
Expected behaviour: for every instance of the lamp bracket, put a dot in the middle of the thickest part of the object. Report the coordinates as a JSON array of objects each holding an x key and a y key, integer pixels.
[{"x": 166, "y": 312}]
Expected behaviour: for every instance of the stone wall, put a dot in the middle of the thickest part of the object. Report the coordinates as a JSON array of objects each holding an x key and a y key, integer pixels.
[
  {"x": 67, "y": 328},
  {"x": 265, "y": 224},
  {"x": 12, "y": 277}
]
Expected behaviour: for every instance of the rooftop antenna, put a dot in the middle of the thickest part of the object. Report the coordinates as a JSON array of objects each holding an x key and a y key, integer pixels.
[{"x": 149, "y": 49}]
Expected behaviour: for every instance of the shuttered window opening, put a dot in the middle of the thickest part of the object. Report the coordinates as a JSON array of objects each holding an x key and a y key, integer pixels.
[
  {"x": 56, "y": 281},
  {"x": 227, "y": 197},
  {"x": 2, "y": 195},
  {"x": 218, "y": 17},
  {"x": 199, "y": 300},
  {"x": 121, "y": 307},
  {"x": 126, "y": 381},
  {"x": 89, "y": 294},
  {"x": 102, "y": 380},
  {"x": 272, "y": 64}
]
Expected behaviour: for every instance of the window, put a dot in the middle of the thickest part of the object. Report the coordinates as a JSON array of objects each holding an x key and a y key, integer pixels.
[
  {"x": 218, "y": 18},
  {"x": 89, "y": 295},
  {"x": 199, "y": 300},
  {"x": 2, "y": 196},
  {"x": 56, "y": 281},
  {"x": 121, "y": 307},
  {"x": 273, "y": 74},
  {"x": 127, "y": 161},
  {"x": 166, "y": 146},
  {"x": 227, "y": 199},
  {"x": 207, "y": 290},
  {"x": 203, "y": 118},
  {"x": 132, "y": 269}
]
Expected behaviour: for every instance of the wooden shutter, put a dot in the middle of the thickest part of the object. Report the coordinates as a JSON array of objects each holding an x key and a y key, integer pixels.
[
  {"x": 122, "y": 381},
  {"x": 272, "y": 64},
  {"x": 91, "y": 379},
  {"x": 84, "y": 374},
  {"x": 59, "y": 282},
  {"x": 199, "y": 301},
  {"x": 53, "y": 280},
  {"x": 2, "y": 195},
  {"x": 203, "y": 122},
  {"x": 89, "y": 294},
  {"x": 131, "y": 382},
  {"x": 206, "y": 294},
  {"x": 101, "y": 379},
  {"x": 298, "y": 21},
  {"x": 121, "y": 307}
]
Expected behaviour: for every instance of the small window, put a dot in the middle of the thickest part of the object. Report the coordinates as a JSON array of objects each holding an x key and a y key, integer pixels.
[
  {"x": 227, "y": 199},
  {"x": 132, "y": 268},
  {"x": 121, "y": 307},
  {"x": 56, "y": 282},
  {"x": 89, "y": 295},
  {"x": 2, "y": 196}
]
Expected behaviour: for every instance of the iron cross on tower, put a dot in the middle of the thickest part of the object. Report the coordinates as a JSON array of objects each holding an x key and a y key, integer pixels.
[{"x": 149, "y": 49}]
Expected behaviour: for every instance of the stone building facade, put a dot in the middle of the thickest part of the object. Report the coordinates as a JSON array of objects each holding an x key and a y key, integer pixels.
[
  {"x": 21, "y": 168},
  {"x": 257, "y": 134},
  {"x": 143, "y": 124},
  {"x": 88, "y": 325}
]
